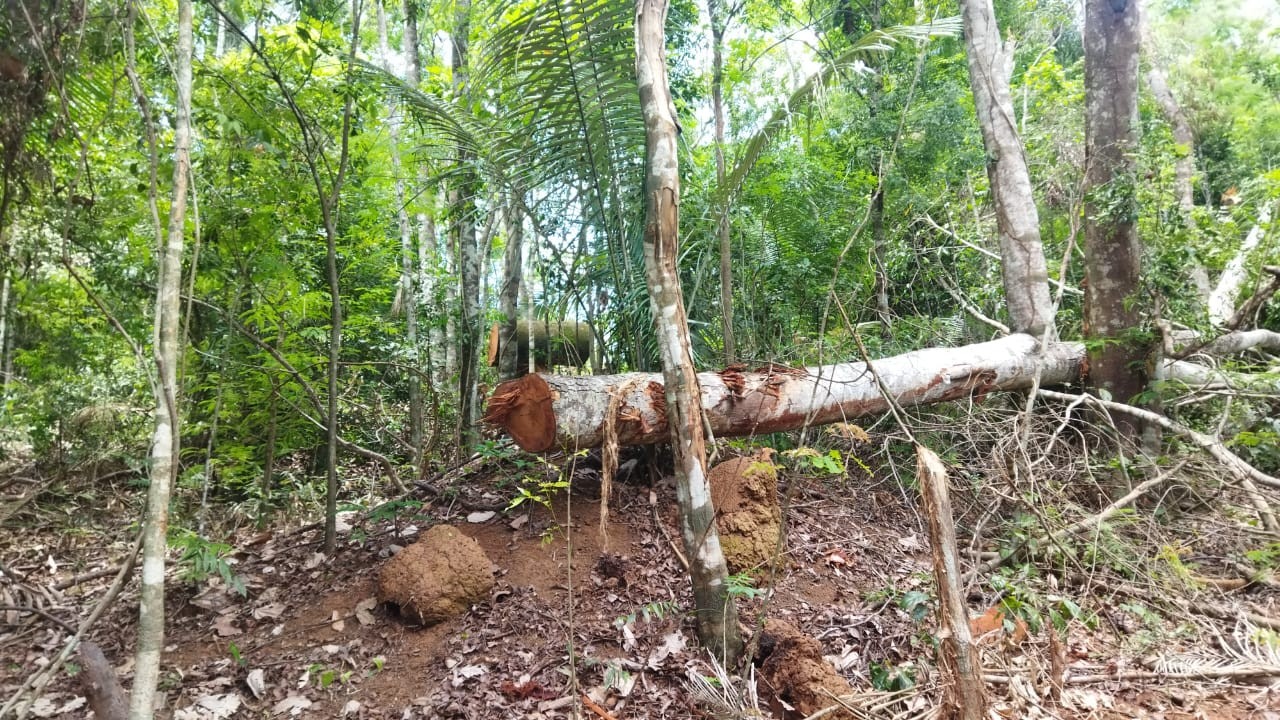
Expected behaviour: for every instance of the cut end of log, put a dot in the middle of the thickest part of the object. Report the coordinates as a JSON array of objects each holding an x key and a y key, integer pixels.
[{"x": 522, "y": 407}]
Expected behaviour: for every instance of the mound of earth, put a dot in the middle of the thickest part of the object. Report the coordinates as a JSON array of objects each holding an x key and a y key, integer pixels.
[
  {"x": 438, "y": 577},
  {"x": 748, "y": 517},
  {"x": 795, "y": 672}
]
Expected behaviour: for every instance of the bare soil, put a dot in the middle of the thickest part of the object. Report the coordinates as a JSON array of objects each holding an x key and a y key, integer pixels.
[{"x": 583, "y": 620}]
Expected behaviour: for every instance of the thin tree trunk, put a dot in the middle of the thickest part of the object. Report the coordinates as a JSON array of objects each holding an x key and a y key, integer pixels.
[
  {"x": 880, "y": 251},
  {"x": 329, "y": 207},
  {"x": 1222, "y": 300},
  {"x": 165, "y": 439},
  {"x": 508, "y": 346},
  {"x": 273, "y": 421},
  {"x": 1026, "y": 279},
  {"x": 719, "y": 19},
  {"x": 717, "y": 615},
  {"x": 468, "y": 251},
  {"x": 407, "y": 293},
  {"x": 1118, "y": 358},
  {"x": 1184, "y": 165}
]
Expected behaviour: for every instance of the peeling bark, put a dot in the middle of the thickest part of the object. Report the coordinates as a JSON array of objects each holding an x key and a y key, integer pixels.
[
  {"x": 541, "y": 411},
  {"x": 544, "y": 411},
  {"x": 717, "y": 615},
  {"x": 1022, "y": 266},
  {"x": 964, "y": 695}
]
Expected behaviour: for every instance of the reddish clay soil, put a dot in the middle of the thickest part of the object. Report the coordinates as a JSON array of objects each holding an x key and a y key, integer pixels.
[{"x": 574, "y": 613}]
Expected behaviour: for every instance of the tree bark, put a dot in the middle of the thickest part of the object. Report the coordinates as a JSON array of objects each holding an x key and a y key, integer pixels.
[
  {"x": 329, "y": 206},
  {"x": 468, "y": 251},
  {"x": 165, "y": 439},
  {"x": 513, "y": 265},
  {"x": 541, "y": 411},
  {"x": 719, "y": 18},
  {"x": 544, "y": 411},
  {"x": 1026, "y": 279},
  {"x": 1118, "y": 354},
  {"x": 1222, "y": 301},
  {"x": 1184, "y": 165},
  {"x": 407, "y": 294},
  {"x": 964, "y": 695},
  {"x": 717, "y": 615}
]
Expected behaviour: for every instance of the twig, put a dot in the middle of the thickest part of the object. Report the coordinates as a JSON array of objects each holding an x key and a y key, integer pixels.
[
  {"x": 1082, "y": 524},
  {"x": 40, "y": 679},
  {"x": 37, "y": 611},
  {"x": 653, "y": 505},
  {"x": 1205, "y": 674},
  {"x": 85, "y": 577},
  {"x": 1245, "y": 473},
  {"x": 594, "y": 707}
]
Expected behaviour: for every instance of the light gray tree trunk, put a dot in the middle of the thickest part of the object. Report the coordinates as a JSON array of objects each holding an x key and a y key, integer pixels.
[
  {"x": 717, "y": 615},
  {"x": 568, "y": 411},
  {"x": 468, "y": 250},
  {"x": 165, "y": 438},
  {"x": 1222, "y": 300},
  {"x": 1026, "y": 279},
  {"x": 1184, "y": 166},
  {"x": 407, "y": 294},
  {"x": 1113, "y": 255}
]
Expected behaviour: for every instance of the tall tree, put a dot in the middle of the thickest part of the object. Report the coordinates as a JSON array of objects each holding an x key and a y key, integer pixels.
[
  {"x": 165, "y": 339},
  {"x": 467, "y": 248},
  {"x": 513, "y": 264},
  {"x": 406, "y": 293},
  {"x": 720, "y": 14},
  {"x": 1026, "y": 279},
  {"x": 717, "y": 616},
  {"x": 1113, "y": 259}
]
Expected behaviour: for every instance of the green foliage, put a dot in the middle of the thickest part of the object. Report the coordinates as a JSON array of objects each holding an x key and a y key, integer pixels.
[
  {"x": 742, "y": 585},
  {"x": 649, "y": 612},
  {"x": 201, "y": 559},
  {"x": 888, "y": 677}
]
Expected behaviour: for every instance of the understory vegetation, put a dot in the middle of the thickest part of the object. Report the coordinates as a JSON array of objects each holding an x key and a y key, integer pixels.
[{"x": 302, "y": 271}]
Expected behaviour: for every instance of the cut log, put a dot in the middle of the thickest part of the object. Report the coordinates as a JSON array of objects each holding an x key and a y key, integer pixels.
[
  {"x": 568, "y": 343},
  {"x": 543, "y": 411}
]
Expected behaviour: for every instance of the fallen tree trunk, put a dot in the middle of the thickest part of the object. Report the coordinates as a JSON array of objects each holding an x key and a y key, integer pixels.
[{"x": 542, "y": 411}]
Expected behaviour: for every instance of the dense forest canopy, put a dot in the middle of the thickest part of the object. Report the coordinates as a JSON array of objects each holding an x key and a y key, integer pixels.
[{"x": 377, "y": 193}]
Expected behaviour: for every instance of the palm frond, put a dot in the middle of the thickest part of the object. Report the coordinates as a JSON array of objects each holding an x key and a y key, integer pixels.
[{"x": 568, "y": 98}]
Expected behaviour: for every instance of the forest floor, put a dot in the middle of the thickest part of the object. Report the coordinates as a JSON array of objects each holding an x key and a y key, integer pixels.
[{"x": 308, "y": 639}]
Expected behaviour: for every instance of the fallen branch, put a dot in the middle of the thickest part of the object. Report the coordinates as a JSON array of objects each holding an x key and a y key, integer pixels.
[
  {"x": 18, "y": 704},
  {"x": 1091, "y": 521},
  {"x": 1245, "y": 473}
]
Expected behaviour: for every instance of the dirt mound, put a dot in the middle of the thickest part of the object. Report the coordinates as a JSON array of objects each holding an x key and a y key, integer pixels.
[
  {"x": 748, "y": 517},
  {"x": 438, "y": 577},
  {"x": 795, "y": 672}
]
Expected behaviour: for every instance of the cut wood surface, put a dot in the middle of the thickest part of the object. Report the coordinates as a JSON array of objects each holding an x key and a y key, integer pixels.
[{"x": 543, "y": 411}]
